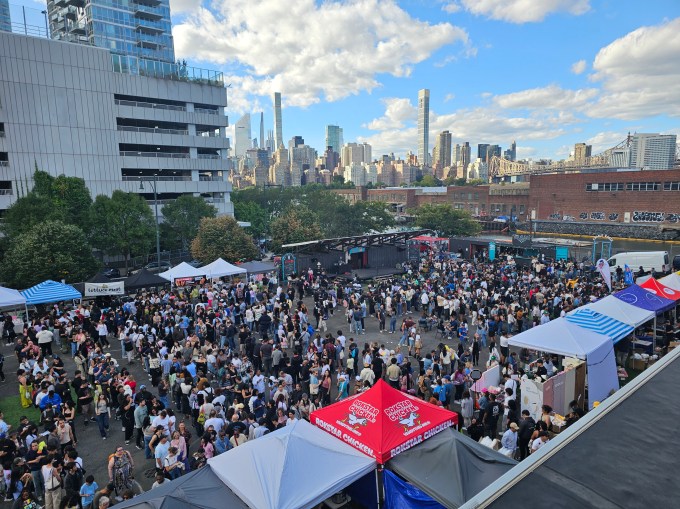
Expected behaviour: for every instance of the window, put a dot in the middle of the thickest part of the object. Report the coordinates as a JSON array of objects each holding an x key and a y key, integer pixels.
[
  {"x": 605, "y": 186},
  {"x": 2, "y": 130},
  {"x": 521, "y": 209},
  {"x": 667, "y": 186},
  {"x": 476, "y": 196},
  {"x": 643, "y": 186}
]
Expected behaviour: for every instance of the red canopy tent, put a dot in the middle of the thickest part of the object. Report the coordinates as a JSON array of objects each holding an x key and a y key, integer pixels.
[
  {"x": 382, "y": 421},
  {"x": 653, "y": 285}
]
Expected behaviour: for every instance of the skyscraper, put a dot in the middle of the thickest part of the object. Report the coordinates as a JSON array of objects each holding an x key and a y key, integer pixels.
[
  {"x": 511, "y": 153},
  {"x": 242, "y": 140},
  {"x": 443, "y": 158},
  {"x": 262, "y": 129},
  {"x": 582, "y": 152},
  {"x": 334, "y": 137},
  {"x": 5, "y": 20},
  {"x": 482, "y": 149},
  {"x": 139, "y": 31},
  {"x": 653, "y": 151},
  {"x": 465, "y": 156},
  {"x": 278, "y": 121},
  {"x": 424, "y": 127}
]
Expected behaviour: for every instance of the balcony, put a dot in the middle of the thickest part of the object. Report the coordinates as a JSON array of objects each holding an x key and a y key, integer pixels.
[
  {"x": 208, "y": 111},
  {"x": 150, "y": 3},
  {"x": 170, "y": 155},
  {"x": 144, "y": 11},
  {"x": 129, "y": 64},
  {"x": 75, "y": 3},
  {"x": 209, "y": 156},
  {"x": 78, "y": 28},
  {"x": 142, "y": 104},
  {"x": 147, "y": 26},
  {"x": 132, "y": 178},
  {"x": 152, "y": 130},
  {"x": 142, "y": 43}
]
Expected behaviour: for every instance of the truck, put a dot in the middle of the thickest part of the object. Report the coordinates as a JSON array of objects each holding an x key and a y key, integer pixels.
[{"x": 648, "y": 260}]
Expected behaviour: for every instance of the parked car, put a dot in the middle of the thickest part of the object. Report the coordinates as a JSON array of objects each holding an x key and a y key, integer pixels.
[
  {"x": 110, "y": 272},
  {"x": 195, "y": 263},
  {"x": 155, "y": 268}
]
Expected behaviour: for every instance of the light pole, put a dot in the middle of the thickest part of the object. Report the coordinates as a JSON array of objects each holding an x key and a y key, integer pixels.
[
  {"x": 47, "y": 30},
  {"x": 153, "y": 182}
]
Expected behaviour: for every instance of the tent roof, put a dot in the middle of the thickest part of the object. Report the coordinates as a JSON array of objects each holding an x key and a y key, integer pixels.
[
  {"x": 268, "y": 472},
  {"x": 9, "y": 297},
  {"x": 221, "y": 268},
  {"x": 560, "y": 337},
  {"x": 182, "y": 270},
  {"x": 427, "y": 238},
  {"x": 586, "y": 465},
  {"x": 658, "y": 288},
  {"x": 641, "y": 298},
  {"x": 256, "y": 267},
  {"x": 602, "y": 324},
  {"x": 144, "y": 279},
  {"x": 671, "y": 280},
  {"x": 451, "y": 467},
  {"x": 50, "y": 291},
  {"x": 382, "y": 421},
  {"x": 619, "y": 310},
  {"x": 200, "y": 489}
]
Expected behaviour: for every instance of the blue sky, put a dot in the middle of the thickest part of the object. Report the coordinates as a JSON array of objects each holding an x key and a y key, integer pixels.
[{"x": 547, "y": 73}]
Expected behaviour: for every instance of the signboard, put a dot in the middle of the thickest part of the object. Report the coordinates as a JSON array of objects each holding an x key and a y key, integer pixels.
[
  {"x": 185, "y": 281},
  {"x": 492, "y": 251},
  {"x": 113, "y": 288},
  {"x": 521, "y": 240},
  {"x": 288, "y": 265}
]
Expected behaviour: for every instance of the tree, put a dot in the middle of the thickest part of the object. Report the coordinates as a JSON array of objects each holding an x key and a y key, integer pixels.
[
  {"x": 446, "y": 220},
  {"x": 50, "y": 250},
  {"x": 123, "y": 225},
  {"x": 182, "y": 218},
  {"x": 254, "y": 214},
  {"x": 222, "y": 237},
  {"x": 296, "y": 224},
  {"x": 428, "y": 181}
]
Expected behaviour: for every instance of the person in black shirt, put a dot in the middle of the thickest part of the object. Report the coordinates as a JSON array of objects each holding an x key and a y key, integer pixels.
[{"x": 493, "y": 412}]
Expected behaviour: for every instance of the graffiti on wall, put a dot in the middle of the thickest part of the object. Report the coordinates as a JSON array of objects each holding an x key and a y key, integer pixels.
[
  {"x": 597, "y": 216},
  {"x": 648, "y": 217},
  {"x": 613, "y": 216}
]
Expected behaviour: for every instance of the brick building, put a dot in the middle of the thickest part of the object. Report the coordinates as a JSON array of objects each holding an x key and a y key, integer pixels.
[
  {"x": 651, "y": 196},
  {"x": 354, "y": 195}
]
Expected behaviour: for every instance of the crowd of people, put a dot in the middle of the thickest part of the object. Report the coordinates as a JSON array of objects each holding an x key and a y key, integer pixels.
[{"x": 228, "y": 362}]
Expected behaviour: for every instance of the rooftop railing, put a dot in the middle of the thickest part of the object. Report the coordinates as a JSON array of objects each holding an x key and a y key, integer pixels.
[{"x": 166, "y": 70}]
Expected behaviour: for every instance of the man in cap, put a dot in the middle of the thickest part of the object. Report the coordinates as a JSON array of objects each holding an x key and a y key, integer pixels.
[{"x": 509, "y": 439}]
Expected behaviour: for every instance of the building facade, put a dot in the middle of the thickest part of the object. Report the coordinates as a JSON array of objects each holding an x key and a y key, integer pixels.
[
  {"x": 334, "y": 138},
  {"x": 70, "y": 109},
  {"x": 242, "y": 131},
  {"x": 5, "y": 18},
  {"x": 278, "y": 122},
  {"x": 424, "y": 127},
  {"x": 653, "y": 151}
]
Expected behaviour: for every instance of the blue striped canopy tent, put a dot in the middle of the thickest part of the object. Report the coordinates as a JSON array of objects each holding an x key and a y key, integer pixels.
[
  {"x": 589, "y": 319},
  {"x": 50, "y": 291}
]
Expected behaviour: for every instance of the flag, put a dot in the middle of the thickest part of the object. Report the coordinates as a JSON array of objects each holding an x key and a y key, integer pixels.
[
  {"x": 603, "y": 268},
  {"x": 627, "y": 275},
  {"x": 571, "y": 283}
]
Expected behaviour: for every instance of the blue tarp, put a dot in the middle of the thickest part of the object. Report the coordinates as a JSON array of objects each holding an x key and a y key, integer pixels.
[
  {"x": 50, "y": 291},
  {"x": 401, "y": 495},
  {"x": 641, "y": 298},
  {"x": 589, "y": 319}
]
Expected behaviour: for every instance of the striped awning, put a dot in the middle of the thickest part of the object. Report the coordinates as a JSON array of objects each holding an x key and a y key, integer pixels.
[
  {"x": 50, "y": 291},
  {"x": 600, "y": 323}
]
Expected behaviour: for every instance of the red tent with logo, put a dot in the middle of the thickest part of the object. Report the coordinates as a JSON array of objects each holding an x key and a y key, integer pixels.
[
  {"x": 382, "y": 421},
  {"x": 653, "y": 285}
]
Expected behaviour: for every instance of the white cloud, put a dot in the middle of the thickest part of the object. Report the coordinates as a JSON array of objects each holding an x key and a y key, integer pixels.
[
  {"x": 397, "y": 111},
  {"x": 451, "y": 7},
  {"x": 639, "y": 74},
  {"x": 578, "y": 67},
  {"x": 449, "y": 97},
  {"x": 604, "y": 140},
  {"x": 182, "y": 6},
  {"x": 526, "y": 152},
  {"x": 550, "y": 97},
  {"x": 311, "y": 51},
  {"x": 524, "y": 11}
]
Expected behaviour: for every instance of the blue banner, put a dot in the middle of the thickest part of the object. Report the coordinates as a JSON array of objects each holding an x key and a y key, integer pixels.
[
  {"x": 401, "y": 495},
  {"x": 492, "y": 251}
]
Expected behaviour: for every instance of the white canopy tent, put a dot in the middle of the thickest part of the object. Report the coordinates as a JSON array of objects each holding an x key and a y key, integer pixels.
[
  {"x": 10, "y": 298},
  {"x": 181, "y": 271},
  {"x": 621, "y": 311},
  {"x": 221, "y": 268},
  {"x": 267, "y": 472},
  {"x": 671, "y": 281}
]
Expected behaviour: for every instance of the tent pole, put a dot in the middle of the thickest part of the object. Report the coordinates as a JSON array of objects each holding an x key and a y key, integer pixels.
[
  {"x": 377, "y": 486},
  {"x": 654, "y": 337}
]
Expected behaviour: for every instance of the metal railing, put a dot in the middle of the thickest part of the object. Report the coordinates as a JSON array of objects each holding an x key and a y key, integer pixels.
[
  {"x": 143, "y": 104},
  {"x": 5, "y": 192},
  {"x": 208, "y": 111},
  {"x": 134, "y": 178},
  {"x": 206, "y": 178},
  {"x": 204, "y": 134},
  {"x": 130, "y": 64},
  {"x": 4, "y": 163},
  {"x": 209, "y": 156},
  {"x": 172, "y": 155},
  {"x": 152, "y": 130}
]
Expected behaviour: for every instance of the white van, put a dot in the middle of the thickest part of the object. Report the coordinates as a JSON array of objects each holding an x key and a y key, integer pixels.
[{"x": 648, "y": 260}]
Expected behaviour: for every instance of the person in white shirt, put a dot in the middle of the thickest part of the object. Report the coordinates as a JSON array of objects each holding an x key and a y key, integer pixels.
[
  {"x": 216, "y": 422},
  {"x": 162, "y": 420},
  {"x": 540, "y": 441}
]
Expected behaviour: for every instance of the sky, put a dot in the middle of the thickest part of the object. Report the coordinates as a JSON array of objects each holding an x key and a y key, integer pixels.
[{"x": 546, "y": 73}]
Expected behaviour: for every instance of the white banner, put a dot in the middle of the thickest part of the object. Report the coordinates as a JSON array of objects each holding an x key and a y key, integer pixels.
[
  {"x": 113, "y": 288},
  {"x": 605, "y": 271}
]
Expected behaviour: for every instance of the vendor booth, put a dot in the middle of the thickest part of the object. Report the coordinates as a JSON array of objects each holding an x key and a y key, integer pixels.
[
  {"x": 562, "y": 337},
  {"x": 671, "y": 281},
  {"x": 446, "y": 470},
  {"x": 144, "y": 279},
  {"x": 382, "y": 421},
  {"x": 619, "y": 310},
  {"x": 221, "y": 268},
  {"x": 658, "y": 288},
  {"x": 639, "y": 297},
  {"x": 11, "y": 298},
  {"x": 183, "y": 274},
  {"x": 98, "y": 285},
  {"x": 50, "y": 291},
  {"x": 295, "y": 467}
]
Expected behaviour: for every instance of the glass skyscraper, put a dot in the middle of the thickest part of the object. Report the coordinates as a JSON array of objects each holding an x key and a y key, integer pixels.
[
  {"x": 137, "y": 30},
  {"x": 424, "y": 127},
  {"x": 5, "y": 21},
  {"x": 334, "y": 137}
]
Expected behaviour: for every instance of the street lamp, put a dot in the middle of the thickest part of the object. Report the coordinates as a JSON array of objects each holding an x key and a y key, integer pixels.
[
  {"x": 154, "y": 182},
  {"x": 47, "y": 30}
]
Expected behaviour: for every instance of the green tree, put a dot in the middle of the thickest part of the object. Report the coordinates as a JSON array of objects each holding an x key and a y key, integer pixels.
[
  {"x": 296, "y": 224},
  {"x": 50, "y": 250},
  {"x": 428, "y": 181},
  {"x": 123, "y": 225},
  {"x": 182, "y": 218},
  {"x": 446, "y": 220},
  {"x": 222, "y": 237},
  {"x": 25, "y": 213},
  {"x": 255, "y": 214}
]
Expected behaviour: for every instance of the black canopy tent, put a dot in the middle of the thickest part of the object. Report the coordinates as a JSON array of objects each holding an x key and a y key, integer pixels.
[
  {"x": 144, "y": 279},
  {"x": 200, "y": 489},
  {"x": 257, "y": 267},
  {"x": 450, "y": 467}
]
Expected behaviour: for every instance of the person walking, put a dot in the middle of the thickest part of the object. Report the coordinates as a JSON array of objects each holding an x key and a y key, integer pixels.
[{"x": 103, "y": 414}]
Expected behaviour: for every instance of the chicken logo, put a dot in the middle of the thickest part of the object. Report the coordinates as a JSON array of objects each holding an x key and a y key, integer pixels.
[
  {"x": 355, "y": 421},
  {"x": 410, "y": 420}
]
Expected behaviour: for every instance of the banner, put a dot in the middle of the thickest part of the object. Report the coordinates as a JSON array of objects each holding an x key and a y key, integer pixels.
[
  {"x": 627, "y": 275},
  {"x": 113, "y": 288},
  {"x": 605, "y": 271}
]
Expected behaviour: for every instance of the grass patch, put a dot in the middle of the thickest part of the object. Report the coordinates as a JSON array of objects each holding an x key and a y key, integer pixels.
[{"x": 11, "y": 407}]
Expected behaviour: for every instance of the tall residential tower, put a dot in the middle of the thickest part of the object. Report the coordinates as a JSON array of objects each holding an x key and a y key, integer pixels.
[
  {"x": 278, "y": 121},
  {"x": 242, "y": 141},
  {"x": 334, "y": 137},
  {"x": 424, "y": 127},
  {"x": 5, "y": 20}
]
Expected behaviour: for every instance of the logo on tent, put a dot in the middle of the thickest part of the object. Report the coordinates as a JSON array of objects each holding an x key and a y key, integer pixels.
[
  {"x": 410, "y": 420},
  {"x": 355, "y": 421},
  {"x": 669, "y": 291}
]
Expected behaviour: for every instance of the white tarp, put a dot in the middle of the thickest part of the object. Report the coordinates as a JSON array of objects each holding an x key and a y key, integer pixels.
[
  {"x": 619, "y": 310},
  {"x": 183, "y": 270},
  {"x": 671, "y": 281},
  {"x": 11, "y": 298},
  {"x": 112, "y": 288},
  {"x": 221, "y": 268},
  {"x": 295, "y": 467}
]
